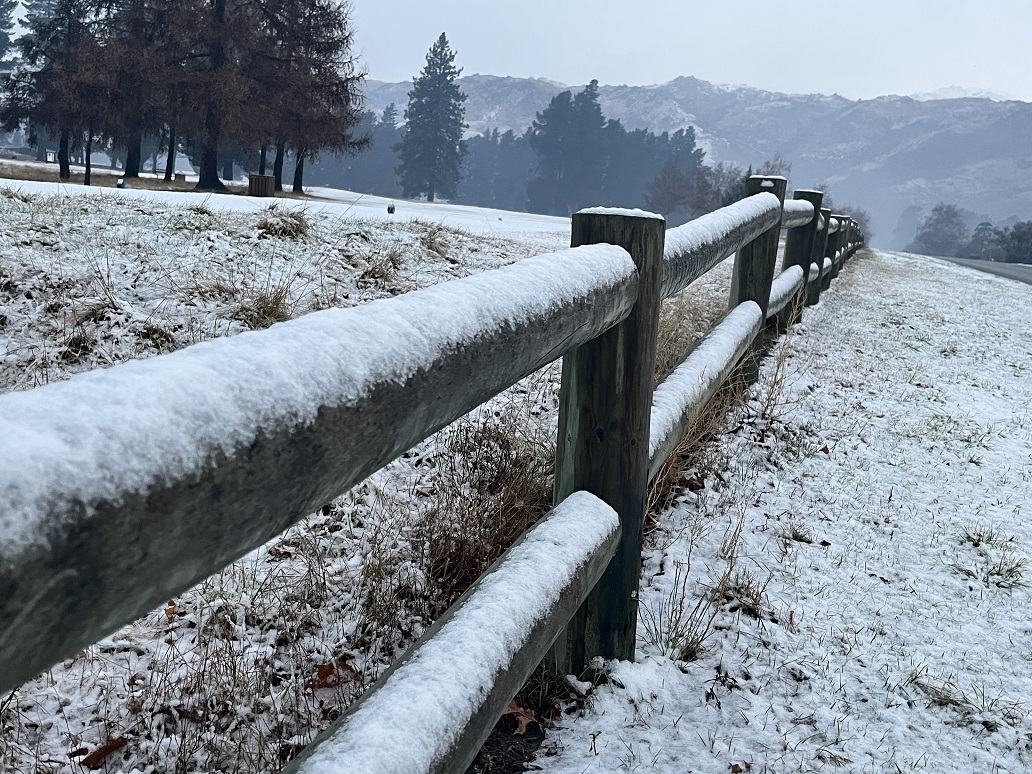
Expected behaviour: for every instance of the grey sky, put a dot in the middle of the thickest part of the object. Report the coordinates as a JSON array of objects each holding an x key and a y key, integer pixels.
[{"x": 859, "y": 49}]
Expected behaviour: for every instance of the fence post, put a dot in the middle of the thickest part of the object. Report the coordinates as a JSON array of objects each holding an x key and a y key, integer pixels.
[
  {"x": 831, "y": 251},
  {"x": 820, "y": 246},
  {"x": 799, "y": 249},
  {"x": 754, "y": 268},
  {"x": 845, "y": 223},
  {"x": 755, "y": 262},
  {"x": 605, "y": 404}
]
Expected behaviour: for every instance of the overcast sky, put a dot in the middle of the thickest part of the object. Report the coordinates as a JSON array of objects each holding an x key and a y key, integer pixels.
[{"x": 861, "y": 49}]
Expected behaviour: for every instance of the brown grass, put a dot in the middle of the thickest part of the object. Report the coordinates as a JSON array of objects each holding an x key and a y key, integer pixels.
[{"x": 683, "y": 321}]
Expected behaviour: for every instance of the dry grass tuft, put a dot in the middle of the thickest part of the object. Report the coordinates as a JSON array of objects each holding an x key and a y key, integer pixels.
[
  {"x": 683, "y": 320},
  {"x": 680, "y": 623},
  {"x": 493, "y": 484},
  {"x": 286, "y": 224},
  {"x": 19, "y": 196},
  {"x": 485, "y": 485},
  {"x": 265, "y": 307},
  {"x": 77, "y": 346}
]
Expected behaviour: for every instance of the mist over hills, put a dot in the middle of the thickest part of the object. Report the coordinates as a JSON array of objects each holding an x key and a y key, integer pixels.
[{"x": 894, "y": 156}]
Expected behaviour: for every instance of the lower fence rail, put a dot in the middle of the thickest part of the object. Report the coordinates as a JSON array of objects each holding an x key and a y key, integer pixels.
[{"x": 455, "y": 682}]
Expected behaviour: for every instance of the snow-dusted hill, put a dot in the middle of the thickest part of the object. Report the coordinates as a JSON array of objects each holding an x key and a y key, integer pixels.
[{"x": 894, "y": 156}]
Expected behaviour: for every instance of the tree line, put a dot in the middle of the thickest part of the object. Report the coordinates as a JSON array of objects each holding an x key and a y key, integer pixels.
[
  {"x": 571, "y": 157},
  {"x": 231, "y": 77},
  {"x": 945, "y": 232}
]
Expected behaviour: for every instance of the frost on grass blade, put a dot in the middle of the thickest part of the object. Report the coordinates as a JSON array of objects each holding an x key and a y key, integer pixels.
[{"x": 411, "y": 721}]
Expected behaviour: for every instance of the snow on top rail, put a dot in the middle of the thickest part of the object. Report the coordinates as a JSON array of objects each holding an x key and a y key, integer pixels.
[
  {"x": 797, "y": 212},
  {"x": 696, "y": 247},
  {"x": 412, "y": 721},
  {"x": 291, "y": 416}
]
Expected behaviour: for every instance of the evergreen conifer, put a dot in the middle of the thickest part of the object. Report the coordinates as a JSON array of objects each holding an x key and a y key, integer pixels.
[{"x": 431, "y": 148}]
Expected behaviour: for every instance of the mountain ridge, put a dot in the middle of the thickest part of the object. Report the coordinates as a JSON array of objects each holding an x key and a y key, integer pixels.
[{"x": 895, "y": 156}]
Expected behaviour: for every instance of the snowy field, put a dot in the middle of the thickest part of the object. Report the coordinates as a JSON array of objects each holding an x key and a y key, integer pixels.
[
  {"x": 877, "y": 616},
  {"x": 842, "y": 585}
]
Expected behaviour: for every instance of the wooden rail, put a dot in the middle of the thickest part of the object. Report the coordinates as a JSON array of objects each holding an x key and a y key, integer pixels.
[{"x": 183, "y": 463}]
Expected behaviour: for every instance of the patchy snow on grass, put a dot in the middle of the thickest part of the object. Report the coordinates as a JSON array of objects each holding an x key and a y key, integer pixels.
[
  {"x": 865, "y": 550},
  {"x": 91, "y": 278},
  {"x": 239, "y": 673},
  {"x": 847, "y": 590}
]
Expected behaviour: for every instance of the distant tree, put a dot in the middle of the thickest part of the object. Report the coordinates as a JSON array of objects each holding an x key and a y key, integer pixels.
[
  {"x": 372, "y": 169},
  {"x": 568, "y": 138},
  {"x": 308, "y": 79},
  {"x": 984, "y": 244},
  {"x": 826, "y": 202},
  {"x": 479, "y": 170},
  {"x": 942, "y": 233},
  {"x": 6, "y": 27},
  {"x": 45, "y": 91},
  {"x": 680, "y": 195},
  {"x": 775, "y": 166},
  {"x": 724, "y": 176},
  {"x": 634, "y": 160},
  {"x": 736, "y": 191},
  {"x": 1016, "y": 242},
  {"x": 431, "y": 148},
  {"x": 495, "y": 171}
]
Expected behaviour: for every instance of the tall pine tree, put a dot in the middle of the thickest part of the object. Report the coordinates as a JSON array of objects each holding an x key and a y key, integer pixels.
[
  {"x": 6, "y": 26},
  {"x": 431, "y": 148},
  {"x": 569, "y": 138}
]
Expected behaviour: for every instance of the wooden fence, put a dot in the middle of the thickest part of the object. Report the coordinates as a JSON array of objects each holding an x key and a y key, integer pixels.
[{"x": 122, "y": 487}]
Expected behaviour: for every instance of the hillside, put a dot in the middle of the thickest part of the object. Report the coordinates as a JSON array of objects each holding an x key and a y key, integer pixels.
[{"x": 894, "y": 156}]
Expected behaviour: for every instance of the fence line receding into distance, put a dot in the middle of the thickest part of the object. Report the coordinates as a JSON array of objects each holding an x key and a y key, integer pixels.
[{"x": 122, "y": 487}]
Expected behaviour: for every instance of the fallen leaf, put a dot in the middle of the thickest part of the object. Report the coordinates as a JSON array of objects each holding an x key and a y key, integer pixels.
[
  {"x": 523, "y": 717},
  {"x": 825, "y": 449},
  {"x": 333, "y": 675},
  {"x": 96, "y": 758},
  {"x": 78, "y": 751}
]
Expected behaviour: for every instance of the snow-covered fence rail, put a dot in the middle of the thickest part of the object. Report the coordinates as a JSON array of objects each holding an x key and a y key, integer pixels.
[{"x": 120, "y": 488}]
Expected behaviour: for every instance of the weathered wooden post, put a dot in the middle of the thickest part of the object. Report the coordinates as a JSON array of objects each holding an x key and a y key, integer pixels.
[
  {"x": 820, "y": 246},
  {"x": 840, "y": 246},
  {"x": 753, "y": 272},
  {"x": 799, "y": 249},
  {"x": 605, "y": 406},
  {"x": 755, "y": 262},
  {"x": 831, "y": 251}
]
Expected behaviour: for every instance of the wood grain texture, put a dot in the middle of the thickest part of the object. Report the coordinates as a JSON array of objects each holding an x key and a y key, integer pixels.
[{"x": 604, "y": 411}]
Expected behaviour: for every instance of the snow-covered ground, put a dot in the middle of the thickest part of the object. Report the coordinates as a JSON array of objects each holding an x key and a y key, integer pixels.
[
  {"x": 853, "y": 546},
  {"x": 330, "y": 203},
  {"x": 876, "y": 617}
]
